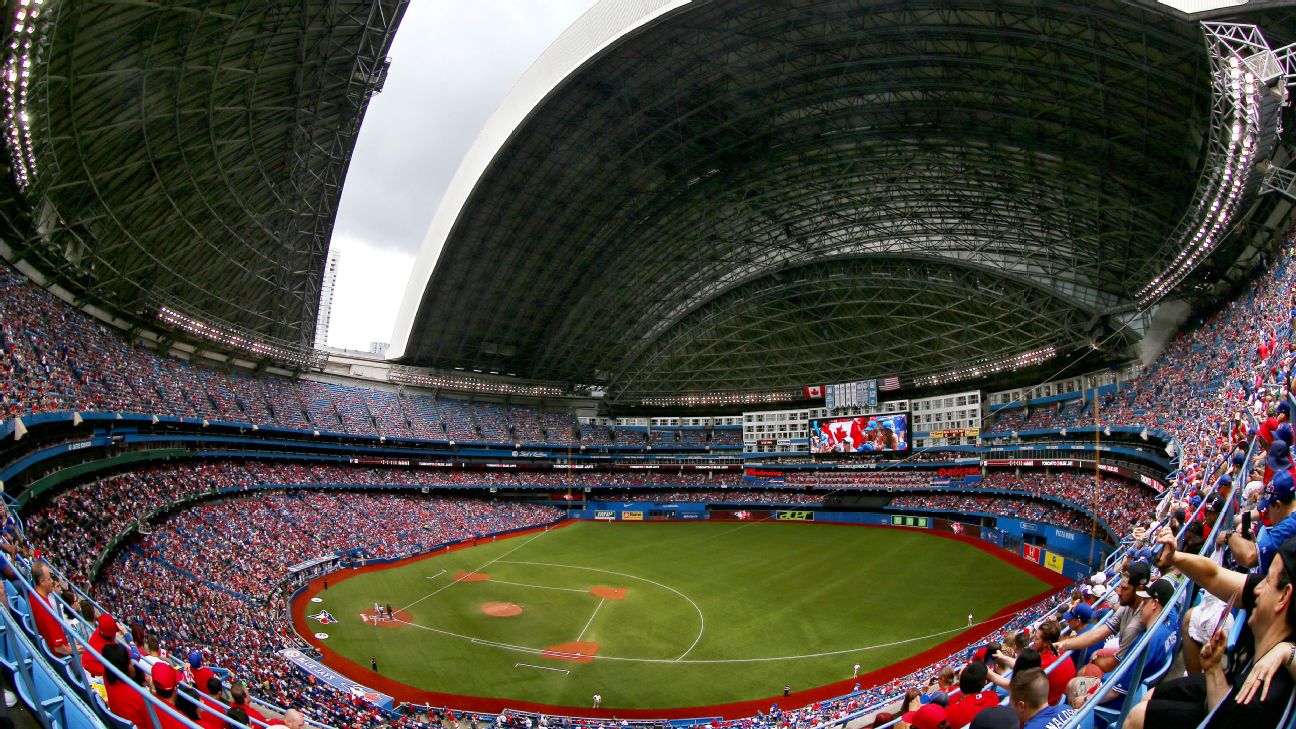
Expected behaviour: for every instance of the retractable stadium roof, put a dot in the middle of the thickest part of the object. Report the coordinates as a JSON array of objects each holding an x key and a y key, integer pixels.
[
  {"x": 754, "y": 194},
  {"x": 188, "y": 154}
]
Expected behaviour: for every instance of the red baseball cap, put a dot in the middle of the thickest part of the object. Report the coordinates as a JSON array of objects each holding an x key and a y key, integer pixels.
[
  {"x": 107, "y": 626},
  {"x": 164, "y": 676},
  {"x": 929, "y": 716}
]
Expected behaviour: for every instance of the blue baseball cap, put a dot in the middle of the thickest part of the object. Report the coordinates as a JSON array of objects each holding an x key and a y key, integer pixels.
[
  {"x": 1284, "y": 433},
  {"x": 195, "y": 659},
  {"x": 1082, "y": 612},
  {"x": 1279, "y": 458},
  {"x": 1240, "y": 458},
  {"x": 1280, "y": 488},
  {"x": 1284, "y": 408}
]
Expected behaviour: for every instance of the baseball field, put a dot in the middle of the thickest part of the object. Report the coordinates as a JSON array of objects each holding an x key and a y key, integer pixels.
[{"x": 655, "y": 616}]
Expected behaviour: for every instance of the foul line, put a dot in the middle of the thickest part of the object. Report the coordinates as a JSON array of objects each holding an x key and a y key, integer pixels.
[
  {"x": 538, "y": 587},
  {"x": 701, "y": 618},
  {"x": 626, "y": 659},
  {"x": 433, "y": 577},
  {"x": 591, "y": 620},
  {"x": 461, "y": 577}
]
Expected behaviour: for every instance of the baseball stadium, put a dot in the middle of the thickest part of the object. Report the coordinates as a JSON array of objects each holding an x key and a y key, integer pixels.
[{"x": 766, "y": 364}]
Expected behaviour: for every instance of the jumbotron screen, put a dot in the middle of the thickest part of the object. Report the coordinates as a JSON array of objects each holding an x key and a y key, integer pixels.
[{"x": 865, "y": 434}]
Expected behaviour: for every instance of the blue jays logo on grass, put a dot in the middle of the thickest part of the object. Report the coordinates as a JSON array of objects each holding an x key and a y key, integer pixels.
[{"x": 323, "y": 616}]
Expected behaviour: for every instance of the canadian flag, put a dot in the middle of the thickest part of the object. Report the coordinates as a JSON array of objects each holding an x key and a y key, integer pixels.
[{"x": 814, "y": 391}]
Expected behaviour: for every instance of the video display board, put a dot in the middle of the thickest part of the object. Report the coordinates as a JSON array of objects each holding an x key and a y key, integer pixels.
[{"x": 887, "y": 433}]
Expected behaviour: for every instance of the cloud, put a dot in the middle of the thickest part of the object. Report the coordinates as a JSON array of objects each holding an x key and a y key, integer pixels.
[
  {"x": 365, "y": 298},
  {"x": 452, "y": 64}
]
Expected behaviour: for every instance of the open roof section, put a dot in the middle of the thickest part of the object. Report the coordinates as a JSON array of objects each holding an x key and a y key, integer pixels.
[
  {"x": 642, "y": 199},
  {"x": 191, "y": 154}
]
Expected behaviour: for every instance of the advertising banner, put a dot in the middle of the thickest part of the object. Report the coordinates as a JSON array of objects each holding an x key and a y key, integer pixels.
[
  {"x": 605, "y": 515},
  {"x": 1031, "y": 552},
  {"x": 1054, "y": 562},
  {"x": 794, "y": 515},
  {"x": 327, "y": 675},
  {"x": 632, "y": 516}
]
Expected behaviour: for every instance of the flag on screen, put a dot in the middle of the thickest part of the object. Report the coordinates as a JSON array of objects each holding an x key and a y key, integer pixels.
[
  {"x": 814, "y": 391},
  {"x": 889, "y": 383}
]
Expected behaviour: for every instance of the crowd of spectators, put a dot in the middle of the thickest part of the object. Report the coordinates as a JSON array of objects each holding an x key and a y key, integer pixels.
[
  {"x": 180, "y": 584},
  {"x": 60, "y": 359},
  {"x": 87, "y": 517},
  {"x": 1236, "y": 359}
]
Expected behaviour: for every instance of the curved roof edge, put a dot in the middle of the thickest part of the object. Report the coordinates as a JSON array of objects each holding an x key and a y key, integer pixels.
[{"x": 600, "y": 26}]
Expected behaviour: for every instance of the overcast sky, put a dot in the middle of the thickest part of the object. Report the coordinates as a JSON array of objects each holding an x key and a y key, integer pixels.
[{"x": 452, "y": 63}]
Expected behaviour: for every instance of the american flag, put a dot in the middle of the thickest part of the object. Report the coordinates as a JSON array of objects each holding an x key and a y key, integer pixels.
[{"x": 889, "y": 383}]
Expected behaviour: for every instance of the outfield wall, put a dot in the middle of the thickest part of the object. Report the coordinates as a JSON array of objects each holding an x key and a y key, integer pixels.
[{"x": 1063, "y": 551}]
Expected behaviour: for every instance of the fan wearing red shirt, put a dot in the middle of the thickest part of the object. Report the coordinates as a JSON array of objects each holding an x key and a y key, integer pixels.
[
  {"x": 201, "y": 674},
  {"x": 213, "y": 717},
  {"x": 239, "y": 697},
  {"x": 1048, "y": 633},
  {"x": 164, "y": 687},
  {"x": 105, "y": 634},
  {"x": 971, "y": 682},
  {"x": 124, "y": 697},
  {"x": 39, "y": 599}
]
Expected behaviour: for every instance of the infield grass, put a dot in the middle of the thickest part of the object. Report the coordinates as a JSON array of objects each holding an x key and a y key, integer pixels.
[{"x": 713, "y": 612}]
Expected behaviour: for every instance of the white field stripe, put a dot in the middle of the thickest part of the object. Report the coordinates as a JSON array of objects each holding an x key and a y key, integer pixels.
[
  {"x": 701, "y": 618},
  {"x": 457, "y": 581},
  {"x": 589, "y": 622},
  {"x": 433, "y": 577},
  {"x": 542, "y": 668},
  {"x": 538, "y": 587},
  {"x": 699, "y": 661}
]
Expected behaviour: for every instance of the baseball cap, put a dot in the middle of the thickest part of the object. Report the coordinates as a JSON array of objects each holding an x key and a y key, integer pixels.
[
  {"x": 1280, "y": 488},
  {"x": 195, "y": 659},
  {"x": 929, "y": 716},
  {"x": 1283, "y": 408},
  {"x": 1279, "y": 458},
  {"x": 1161, "y": 591},
  {"x": 1284, "y": 433},
  {"x": 1225, "y": 480},
  {"x": 1081, "y": 612},
  {"x": 1138, "y": 574},
  {"x": 164, "y": 676},
  {"x": 996, "y": 717},
  {"x": 1240, "y": 458},
  {"x": 1099, "y": 578},
  {"x": 107, "y": 626}
]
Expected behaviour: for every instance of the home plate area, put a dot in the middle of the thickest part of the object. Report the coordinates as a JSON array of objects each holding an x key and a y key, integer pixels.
[{"x": 401, "y": 617}]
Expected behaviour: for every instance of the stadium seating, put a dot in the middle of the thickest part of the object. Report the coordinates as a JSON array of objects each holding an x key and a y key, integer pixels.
[{"x": 1223, "y": 365}]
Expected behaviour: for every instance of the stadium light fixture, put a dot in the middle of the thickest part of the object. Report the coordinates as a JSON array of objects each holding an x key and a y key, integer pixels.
[
  {"x": 691, "y": 400},
  {"x": 17, "y": 79},
  {"x": 989, "y": 366},
  {"x": 1242, "y": 66},
  {"x": 234, "y": 339},
  {"x": 435, "y": 381}
]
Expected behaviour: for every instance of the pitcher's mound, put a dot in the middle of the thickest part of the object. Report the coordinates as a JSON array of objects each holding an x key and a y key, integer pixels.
[
  {"x": 580, "y": 652},
  {"x": 471, "y": 577},
  {"x": 609, "y": 593},
  {"x": 501, "y": 609},
  {"x": 401, "y": 618}
]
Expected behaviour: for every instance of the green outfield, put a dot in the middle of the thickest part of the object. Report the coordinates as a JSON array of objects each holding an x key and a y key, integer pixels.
[{"x": 711, "y": 612}]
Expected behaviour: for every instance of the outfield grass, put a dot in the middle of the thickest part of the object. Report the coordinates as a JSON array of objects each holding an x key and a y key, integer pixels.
[{"x": 713, "y": 613}]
